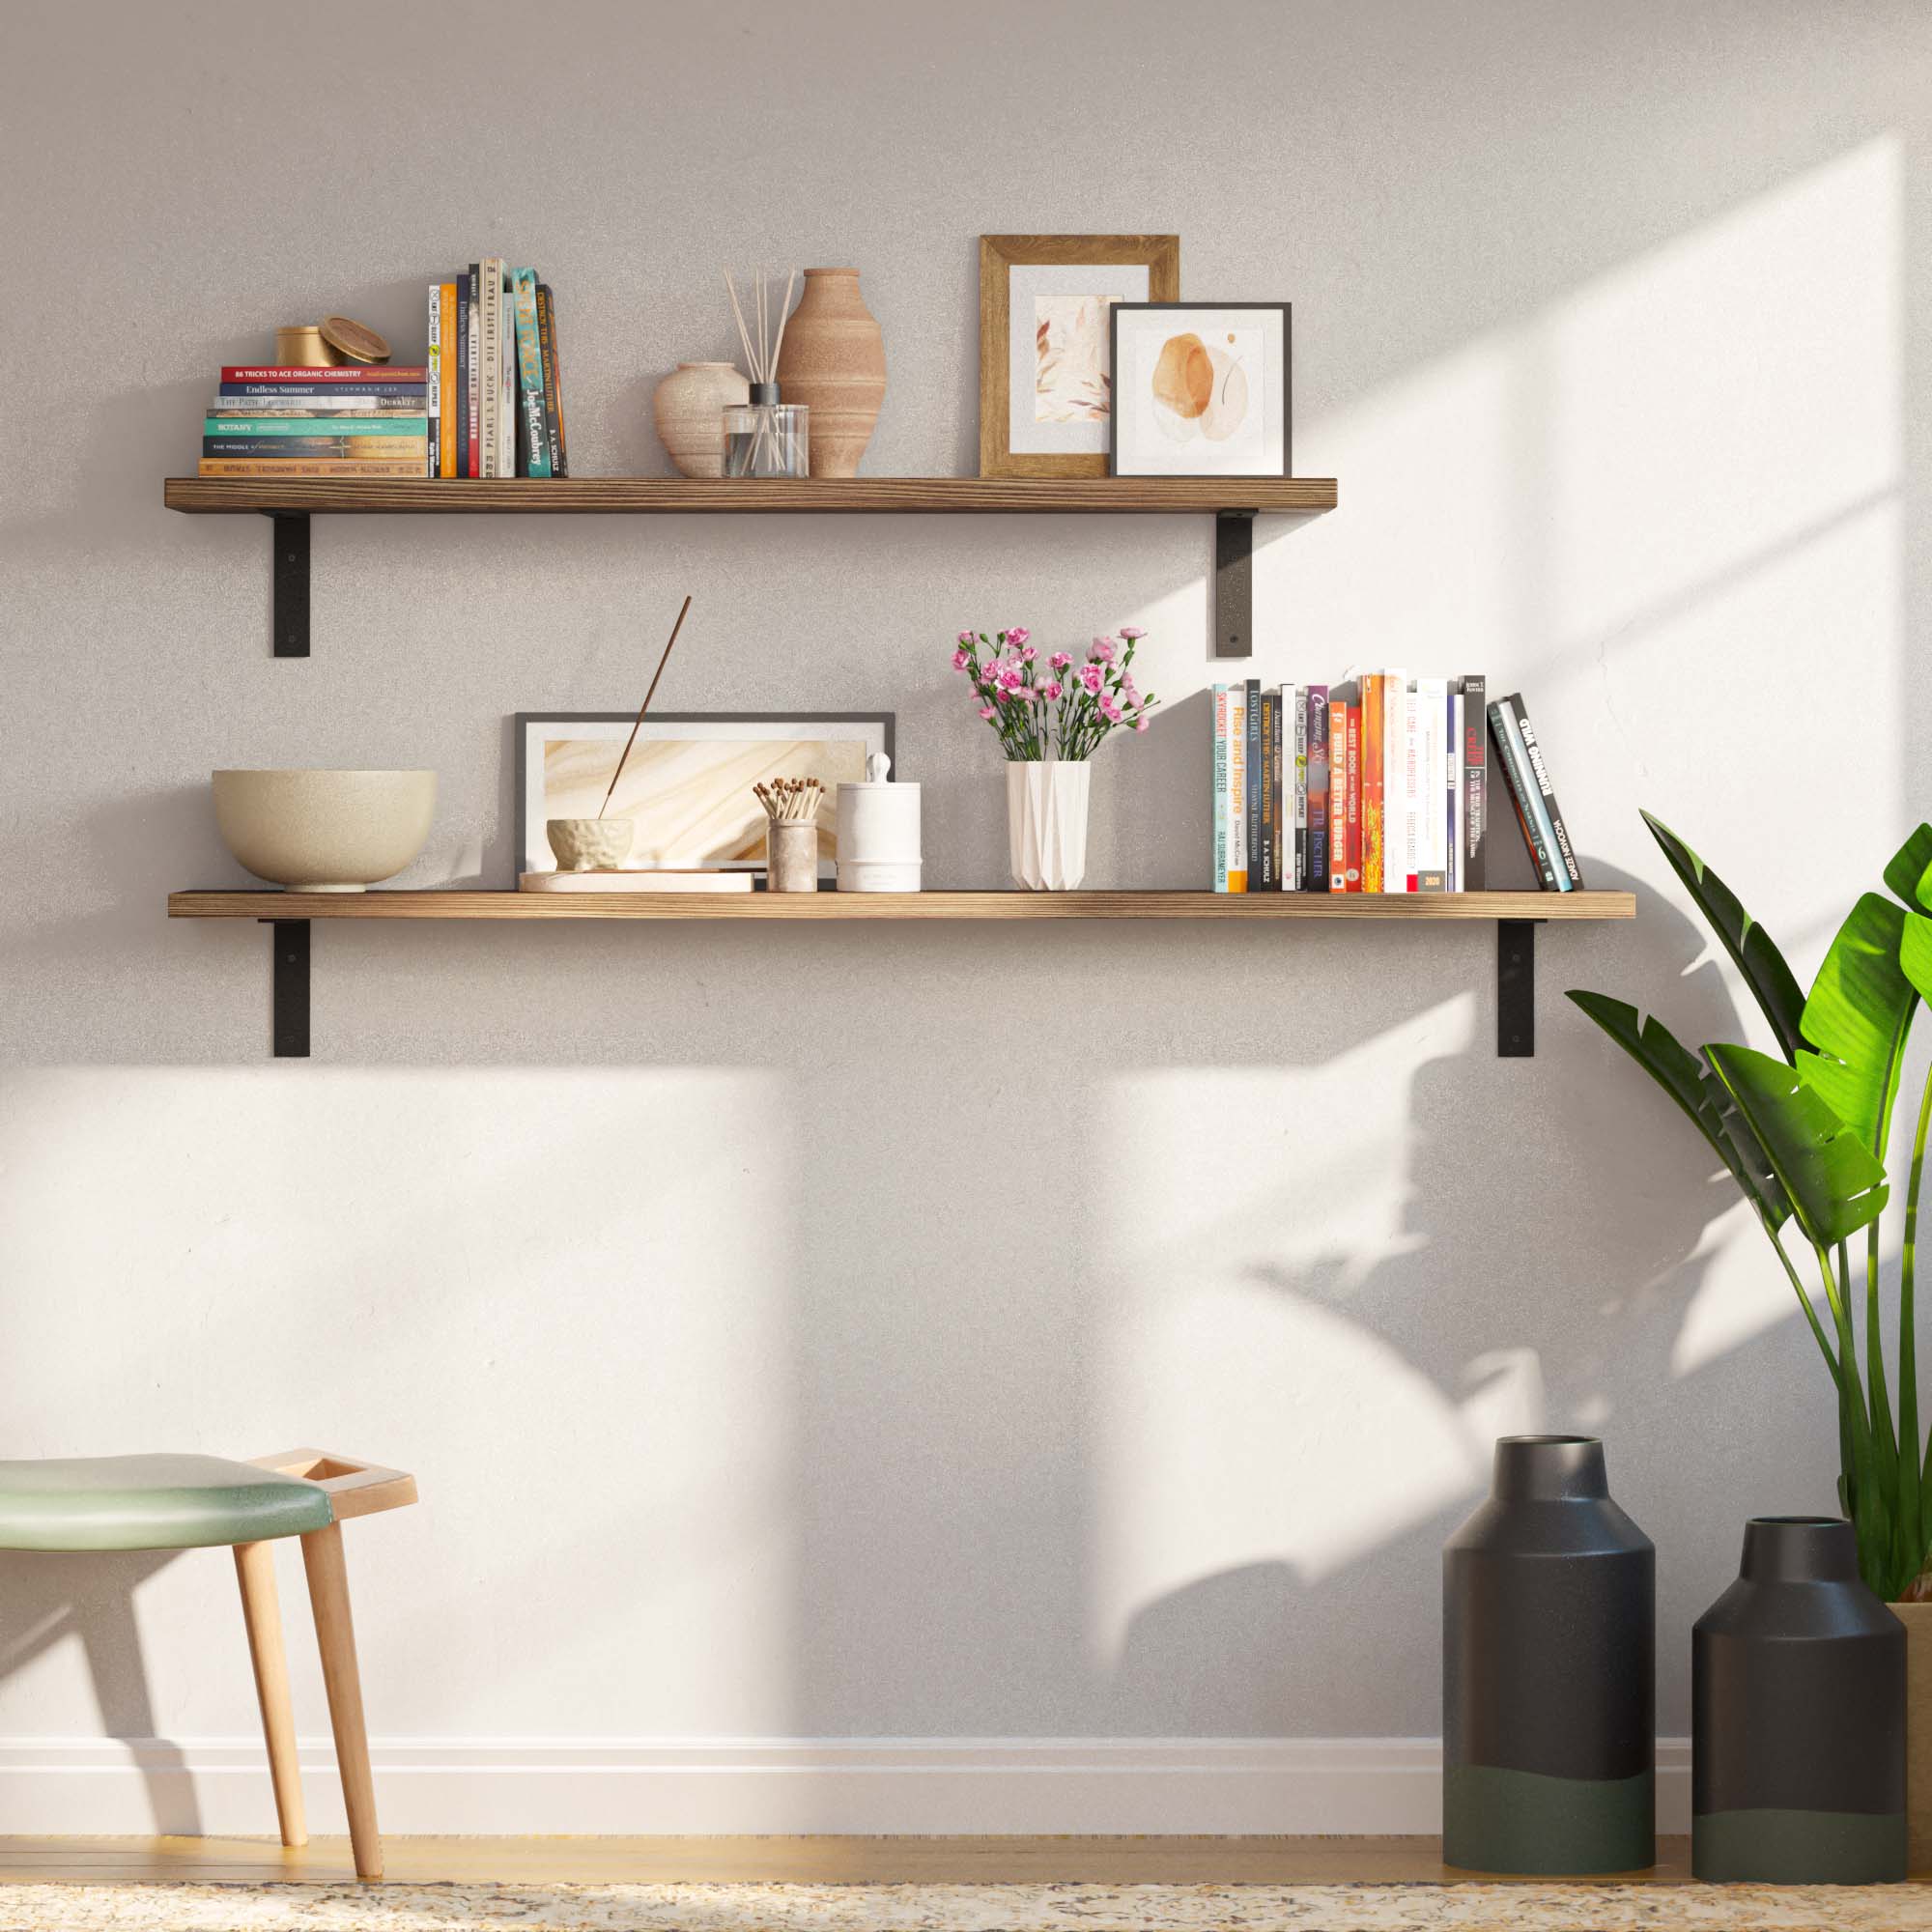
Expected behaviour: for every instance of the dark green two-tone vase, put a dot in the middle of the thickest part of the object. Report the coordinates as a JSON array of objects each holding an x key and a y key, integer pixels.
[
  {"x": 1549, "y": 1671},
  {"x": 1798, "y": 1717}
]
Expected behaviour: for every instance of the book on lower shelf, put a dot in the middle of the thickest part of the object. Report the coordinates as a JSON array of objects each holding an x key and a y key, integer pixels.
[{"x": 1378, "y": 782}]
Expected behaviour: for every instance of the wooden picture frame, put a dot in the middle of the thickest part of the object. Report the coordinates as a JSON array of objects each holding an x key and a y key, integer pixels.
[
  {"x": 1156, "y": 256},
  {"x": 1266, "y": 447}
]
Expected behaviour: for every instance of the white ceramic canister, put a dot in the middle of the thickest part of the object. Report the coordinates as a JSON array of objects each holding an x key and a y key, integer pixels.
[{"x": 878, "y": 833}]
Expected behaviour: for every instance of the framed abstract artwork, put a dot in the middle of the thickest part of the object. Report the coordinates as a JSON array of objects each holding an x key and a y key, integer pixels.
[
  {"x": 1200, "y": 389},
  {"x": 687, "y": 785},
  {"x": 1046, "y": 373}
]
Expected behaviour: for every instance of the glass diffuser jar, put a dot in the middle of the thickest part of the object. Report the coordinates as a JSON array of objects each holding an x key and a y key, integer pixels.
[{"x": 765, "y": 436}]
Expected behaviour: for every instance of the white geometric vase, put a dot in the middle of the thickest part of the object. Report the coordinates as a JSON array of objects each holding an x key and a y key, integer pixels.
[{"x": 1046, "y": 824}]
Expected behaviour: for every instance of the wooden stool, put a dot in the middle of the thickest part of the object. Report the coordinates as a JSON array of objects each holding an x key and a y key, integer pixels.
[{"x": 196, "y": 1502}]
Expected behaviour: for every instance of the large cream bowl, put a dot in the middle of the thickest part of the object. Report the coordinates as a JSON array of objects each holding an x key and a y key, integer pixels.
[{"x": 324, "y": 831}]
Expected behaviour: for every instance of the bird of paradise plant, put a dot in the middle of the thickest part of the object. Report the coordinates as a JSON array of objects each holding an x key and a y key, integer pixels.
[{"x": 1805, "y": 1138}]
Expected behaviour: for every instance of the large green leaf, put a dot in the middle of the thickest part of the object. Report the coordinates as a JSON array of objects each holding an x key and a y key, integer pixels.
[
  {"x": 1915, "y": 952},
  {"x": 1835, "y": 1183},
  {"x": 1857, "y": 1017},
  {"x": 1750, "y": 947},
  {"x": 1910, "y": 872},
  {"x": 1704, "y": 1102}
]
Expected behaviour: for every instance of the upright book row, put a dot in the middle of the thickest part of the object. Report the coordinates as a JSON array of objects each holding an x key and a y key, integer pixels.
[
  {"x": 496, "y": 391},
  {"x": 1376, "y": 784}
]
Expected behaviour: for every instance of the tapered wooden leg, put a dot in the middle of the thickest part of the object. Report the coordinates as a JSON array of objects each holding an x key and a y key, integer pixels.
[
  {"x": 262, "y": 1612},
  {"x": 335, "y": 1638}
]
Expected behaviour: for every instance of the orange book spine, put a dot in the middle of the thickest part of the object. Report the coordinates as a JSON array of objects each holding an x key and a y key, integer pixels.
[
  {"x": 446, "y": 303},
  {"x": 1373, "y": 801}
]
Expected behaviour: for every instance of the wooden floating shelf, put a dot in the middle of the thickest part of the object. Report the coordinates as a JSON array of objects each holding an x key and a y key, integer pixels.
[
  {"x": 1514, "y": 915},
  {"x": 437, "y": 903},
  {"x": 1233, "y": 502},
  {"x": 620, "y": 495}
]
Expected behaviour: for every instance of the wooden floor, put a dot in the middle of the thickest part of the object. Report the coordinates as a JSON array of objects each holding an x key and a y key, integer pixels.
[{"x": 1162, "y": 1861}]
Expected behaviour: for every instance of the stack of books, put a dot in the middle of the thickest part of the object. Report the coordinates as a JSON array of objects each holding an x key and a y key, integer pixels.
[
  {"x": 495, "y": 391},
  {"x": 1376, "y": 784},
  {"x": 356, "y": 419}
]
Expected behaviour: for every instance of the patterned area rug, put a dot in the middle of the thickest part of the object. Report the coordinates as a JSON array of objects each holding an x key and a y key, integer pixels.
[{"x": 964, "y": 1907}]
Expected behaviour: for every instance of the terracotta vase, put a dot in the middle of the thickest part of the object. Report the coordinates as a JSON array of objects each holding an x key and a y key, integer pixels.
[
  {"x": 1918, "y": 1621},
  {"x": 689, "y": 407},
  {"x": 833, "y": 361}
]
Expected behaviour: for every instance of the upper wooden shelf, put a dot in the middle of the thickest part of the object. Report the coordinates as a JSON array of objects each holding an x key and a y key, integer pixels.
[
  {"x": 603, "y": 496},
  {"x": 444, "y": 903}
]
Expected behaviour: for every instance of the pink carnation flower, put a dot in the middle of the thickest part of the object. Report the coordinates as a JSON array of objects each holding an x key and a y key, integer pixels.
[
  {"x": 960, "y": 658},
  {"x": 1130, "y": 633},
  {"x": 1110, "y": 711},
  {"x": 965, "y": 637},
  {"x": 1091, "y": 676},
  {"x": 1060, "y": 660},
  {"x": 1019, "y": 635},
  {"x": 986, "y": 711},
  {"x": 1028, "y": 655},
  {"x": 1104, "y": 650},
  {"x": 1052, "y": 688},
  {"x": 1141, "y": 723}
]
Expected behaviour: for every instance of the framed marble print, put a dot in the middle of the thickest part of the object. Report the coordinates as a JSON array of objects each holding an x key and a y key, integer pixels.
[{"x": 687, "y": 785}]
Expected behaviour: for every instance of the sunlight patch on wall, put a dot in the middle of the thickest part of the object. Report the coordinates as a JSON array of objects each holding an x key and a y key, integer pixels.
[
  {"x": 539, "y": 1289},
  {"x": 1256, "y": 1401}
]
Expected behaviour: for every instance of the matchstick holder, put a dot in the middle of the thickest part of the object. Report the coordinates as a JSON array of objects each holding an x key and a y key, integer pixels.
[{"x": 792, "y": 854}]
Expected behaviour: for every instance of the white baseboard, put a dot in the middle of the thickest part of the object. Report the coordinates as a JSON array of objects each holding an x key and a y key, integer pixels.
[{"x": 649, "y": 1785}]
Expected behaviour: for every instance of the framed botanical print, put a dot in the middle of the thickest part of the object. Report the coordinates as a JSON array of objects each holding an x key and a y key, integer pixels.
[
  {"x": 1046, "y": 375},
  {"x": 687, "y": 784},
  {"x": 1200, "y": 389}
]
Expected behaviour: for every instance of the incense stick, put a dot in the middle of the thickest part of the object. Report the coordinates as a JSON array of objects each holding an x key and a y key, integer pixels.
[{"x": 645, "y": 705}]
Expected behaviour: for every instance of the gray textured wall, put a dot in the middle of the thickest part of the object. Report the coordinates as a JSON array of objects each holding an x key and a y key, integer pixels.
[{"x": 944, "y": 1332}]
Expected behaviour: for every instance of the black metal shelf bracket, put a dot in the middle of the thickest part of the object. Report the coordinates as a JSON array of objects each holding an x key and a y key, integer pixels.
[
  {"x": 1516, "y": 988},
  {"x": 289, "y": 542},
  {"x": 1234, "y": 583},
  {"x": 288, "y": 980}
]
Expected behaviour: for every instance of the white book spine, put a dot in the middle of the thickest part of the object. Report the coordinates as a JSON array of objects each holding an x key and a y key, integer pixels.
[
  {"x": 1458, "y": 819},
  {"x": 1432, "y": 804},
  {"x": 1237, "y": 787},
  {"x": 1219, "y": 779},
  {"x": 1397, "y": 852},
  {"x": 1295, "y": 852}
]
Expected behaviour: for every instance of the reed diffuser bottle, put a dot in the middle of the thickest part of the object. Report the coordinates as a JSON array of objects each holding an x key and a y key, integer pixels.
[{"x": 765, "y": 436}]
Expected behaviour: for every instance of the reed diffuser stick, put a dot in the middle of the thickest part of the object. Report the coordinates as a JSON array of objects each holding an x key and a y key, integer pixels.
[{"x": 645, "y": 705}]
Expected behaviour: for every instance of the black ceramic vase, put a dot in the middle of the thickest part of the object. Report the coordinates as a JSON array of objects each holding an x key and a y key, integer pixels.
[
  {"x": 1549, "y": 1671},
  {"x": 1798, "y": 1717}
]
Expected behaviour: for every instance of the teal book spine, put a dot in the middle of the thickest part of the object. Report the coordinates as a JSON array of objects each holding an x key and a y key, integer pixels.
[
  {"x": 253, "y": 426},
  {"x": 535, "y": 436}
]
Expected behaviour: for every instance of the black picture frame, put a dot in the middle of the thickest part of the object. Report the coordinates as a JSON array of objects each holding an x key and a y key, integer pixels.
[
  {"x": 1286, "y": 310},
  {"x": 522, "y": 721}
]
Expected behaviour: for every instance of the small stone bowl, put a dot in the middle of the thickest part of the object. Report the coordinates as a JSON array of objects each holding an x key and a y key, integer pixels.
[{"x": 590, "y": 845}]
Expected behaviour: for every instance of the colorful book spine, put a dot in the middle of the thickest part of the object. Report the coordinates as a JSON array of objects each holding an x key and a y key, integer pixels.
[
  {"x": 1355, "y": 824},
  {"x": 506, "y": 372},
  {"x": 337, "y": 396},
  {"x": 464, "y": 361},
  {"x": 446, "y": 405},
  {"x": 532, "y": 435},
  {"x": 490, "y": 336},
  {"x": 473, "y": 377},
  {"x": 1475, "y": 780},
  {"x": 388, "y": 449},
  {"x": 1237, "y": 787},
  {"x": 1299, "y": 775},
  {"x": 351, "y": 374},
  {"x": 1251, "y": 772},
  {"x": 1371, "y": 770},
  {"x": 1280, "y": 846},
  {"x": 1267, "y": 715},
  {"x": 553, "y": 381},
  {"x": 266, "y": 465},
  {"x": 1314, "y": 724},
  {"x": 1569, "y": 874},
  {"x": 415, "y": 426},
  {"x": 1429, "y": 731},
  {"x": 1338, "y": 794},
  {"x": 1524, "y": 795},
  {"x": 432, "y": 361},
  {"x": 1220, "y": 779}
]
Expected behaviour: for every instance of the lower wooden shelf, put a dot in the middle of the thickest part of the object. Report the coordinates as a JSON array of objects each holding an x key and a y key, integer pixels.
[
  {"x": 1514, "y": 915},
  {"x": 443, "y": 903}
]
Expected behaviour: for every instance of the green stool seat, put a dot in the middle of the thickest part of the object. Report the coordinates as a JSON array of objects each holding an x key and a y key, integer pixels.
[{"x": 153, "y": 1502}]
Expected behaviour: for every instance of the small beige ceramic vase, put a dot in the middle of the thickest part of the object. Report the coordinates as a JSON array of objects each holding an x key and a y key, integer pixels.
[
  {"x": 590, "y": 845},
  {"x": 689, "y": 408},
  {"x": 792, "y": 854},
  {"x": 833, "y": 360}
]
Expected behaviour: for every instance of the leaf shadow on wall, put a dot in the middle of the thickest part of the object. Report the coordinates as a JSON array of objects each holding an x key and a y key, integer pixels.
[
  {"x": 1363, "y": 1434},
  {"x": 47, "y": 1598}
]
